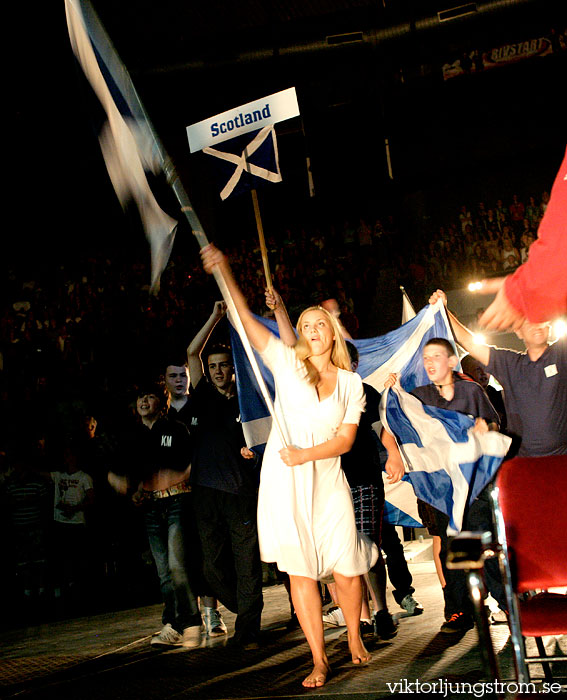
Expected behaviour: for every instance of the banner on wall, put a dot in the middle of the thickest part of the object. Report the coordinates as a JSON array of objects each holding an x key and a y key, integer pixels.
[{"x": 477, "y": 61}]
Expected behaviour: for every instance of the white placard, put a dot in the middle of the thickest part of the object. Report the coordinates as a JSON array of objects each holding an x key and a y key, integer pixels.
[{"x": 241, "y": 120}]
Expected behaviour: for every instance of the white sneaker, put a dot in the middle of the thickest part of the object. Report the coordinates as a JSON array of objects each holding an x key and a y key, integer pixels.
[
  {"x": 335, "y": 617},
  {"x": 214, "y": 623},
  {"x": 167, "y": 637},
  {"x": 192, "y": 636}
]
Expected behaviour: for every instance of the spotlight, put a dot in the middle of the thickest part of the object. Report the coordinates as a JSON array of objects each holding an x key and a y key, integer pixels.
[
  {"x": 475, "y": 286},
  {"x": 560, "y": 328},
  {"x": 479, "y": 339}
]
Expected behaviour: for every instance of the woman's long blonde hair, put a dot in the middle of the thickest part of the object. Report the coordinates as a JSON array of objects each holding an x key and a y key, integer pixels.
[{"x": 339, "y": 353}]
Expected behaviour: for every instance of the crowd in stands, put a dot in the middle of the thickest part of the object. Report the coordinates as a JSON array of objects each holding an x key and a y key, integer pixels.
[{"x": 70, "y": 342}]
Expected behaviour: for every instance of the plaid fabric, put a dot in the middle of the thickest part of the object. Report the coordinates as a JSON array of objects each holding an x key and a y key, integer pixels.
[{"x": 368, "y": 508}]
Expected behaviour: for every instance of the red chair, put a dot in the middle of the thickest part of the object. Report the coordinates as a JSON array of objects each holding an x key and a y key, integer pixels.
[{"x": 530, "y": 512}]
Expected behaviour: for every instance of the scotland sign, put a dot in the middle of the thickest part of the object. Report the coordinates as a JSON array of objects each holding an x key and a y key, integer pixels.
[{"x": 242, "y": 120}]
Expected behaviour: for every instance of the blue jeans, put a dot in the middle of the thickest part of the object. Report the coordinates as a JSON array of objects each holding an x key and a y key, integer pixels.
[{"x": 166, "y": 525}]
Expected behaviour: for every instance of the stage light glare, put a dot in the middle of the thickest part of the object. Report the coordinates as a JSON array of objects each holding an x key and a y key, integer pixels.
[
  {"x": 479, "y": 339},
  {"x": 475, "y": 286},
  {"x": 560, "y": 328}
]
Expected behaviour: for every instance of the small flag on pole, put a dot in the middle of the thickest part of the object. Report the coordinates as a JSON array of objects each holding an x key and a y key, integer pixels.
[
  {"x": 408, "y": 311},
  {"x": 247, "y": 160},
  {"x": 244, "y": 139}
]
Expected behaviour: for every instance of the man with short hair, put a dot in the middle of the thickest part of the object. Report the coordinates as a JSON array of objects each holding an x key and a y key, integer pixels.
[
  {"x": 177, "y": 384},
  {"x": 534, "y": 384},
  {"x": 225, "y": 485},
  {"x": 181, "y": 408}
]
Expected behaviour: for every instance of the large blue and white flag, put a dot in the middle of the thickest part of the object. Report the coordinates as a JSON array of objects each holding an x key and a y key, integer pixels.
[
  {"x": 447, "y": 462},
  {"x": 400, "y": 351},
  {"x": 397, "y": 351},
  {"x": 129, "y": 144}
]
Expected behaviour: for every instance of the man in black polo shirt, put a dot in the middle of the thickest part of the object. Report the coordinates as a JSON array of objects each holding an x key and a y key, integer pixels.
[
  {"x": 181, "y": 409},
  {"x": 225, "y": 484},
  {"x": 534, "y": 383}
]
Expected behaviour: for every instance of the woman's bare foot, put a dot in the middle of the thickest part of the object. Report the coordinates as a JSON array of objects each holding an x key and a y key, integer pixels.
[
  {"x": 359, "y": 653},
  {"x": 318, "y": 675}
]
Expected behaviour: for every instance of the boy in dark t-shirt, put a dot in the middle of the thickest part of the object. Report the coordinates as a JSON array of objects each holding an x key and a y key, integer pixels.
[
  {"x": 454, "y": 391},
  {"x": 158, "y": 454}
]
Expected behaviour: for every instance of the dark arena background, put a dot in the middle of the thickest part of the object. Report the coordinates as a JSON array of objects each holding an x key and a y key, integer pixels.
[{"x": 421, "y": 121}]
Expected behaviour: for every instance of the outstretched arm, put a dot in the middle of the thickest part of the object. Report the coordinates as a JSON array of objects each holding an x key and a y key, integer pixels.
[
  {"x": 215, "y": 260},
  {"x": 500, "y": 314},
  {"x": 199, "y": 341},
  {"x": 274, "y": 302},
  {"x": 463, "y": 336},
  {"x": 537, "y": 290}
]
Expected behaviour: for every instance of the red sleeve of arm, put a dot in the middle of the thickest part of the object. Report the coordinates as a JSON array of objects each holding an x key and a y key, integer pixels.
[{"x": 538, "y": 288}]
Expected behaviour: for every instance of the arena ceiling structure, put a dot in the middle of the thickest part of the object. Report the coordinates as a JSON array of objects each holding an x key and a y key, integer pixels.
[{"x": 365, "y": 71}]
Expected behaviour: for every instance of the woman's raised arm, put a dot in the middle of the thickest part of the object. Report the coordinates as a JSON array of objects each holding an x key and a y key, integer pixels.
[{"x": 216, "y": 260}]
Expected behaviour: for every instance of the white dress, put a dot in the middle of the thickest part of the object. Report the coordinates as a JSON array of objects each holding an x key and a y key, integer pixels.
[{"x": 305, "y": 513}]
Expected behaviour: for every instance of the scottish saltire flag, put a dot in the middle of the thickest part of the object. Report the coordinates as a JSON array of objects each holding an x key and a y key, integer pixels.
[
  {"x": 254, "y": 414},
  {"x": 400, "y": 504},
  {"x": 129, "y": 145},
  {"x": 447, "y": 463},
  {"x": 247, "y": 161},
  {"x": 398, "y": 350},
  {"x": 401, "y": 350}
]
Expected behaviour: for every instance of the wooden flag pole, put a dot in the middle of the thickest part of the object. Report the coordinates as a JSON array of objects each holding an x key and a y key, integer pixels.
[{"x": 263, "y": 249}]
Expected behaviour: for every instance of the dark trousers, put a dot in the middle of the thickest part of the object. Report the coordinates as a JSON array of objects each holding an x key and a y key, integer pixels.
[
  {"x": 166, "y": 524},
  {"x": 231, "y": 557},
  {"x": 478, "y": 517},
  {"x": 398, "y": 571}
]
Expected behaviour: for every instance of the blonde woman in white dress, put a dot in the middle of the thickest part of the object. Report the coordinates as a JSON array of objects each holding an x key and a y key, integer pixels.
[{"x": 305, "y": 513}]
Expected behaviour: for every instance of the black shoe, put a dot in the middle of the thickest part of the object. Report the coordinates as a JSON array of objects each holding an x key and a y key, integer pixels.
[
  {"x": 292, "y": 623},
  {"x": 244, "y": 642},
  {"x": 458, "y": 622},
  {"x": 366, "y": 628},
  {"x": 384, "y": 625}
]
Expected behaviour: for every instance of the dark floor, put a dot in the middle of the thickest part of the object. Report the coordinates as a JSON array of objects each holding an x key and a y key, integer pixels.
[{"x": 109, "y": 656}]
